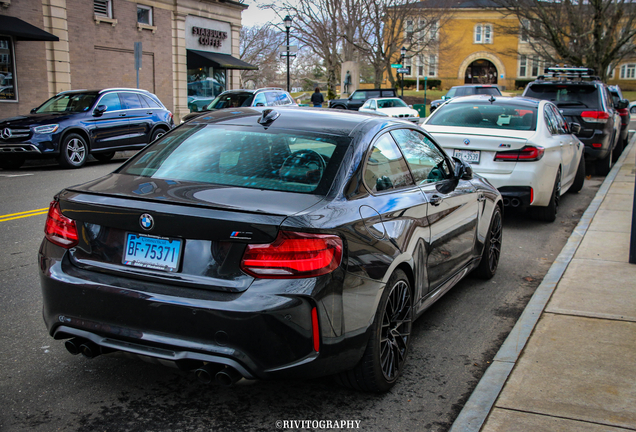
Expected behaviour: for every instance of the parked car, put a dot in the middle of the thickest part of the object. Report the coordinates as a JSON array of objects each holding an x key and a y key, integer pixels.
[
  {"x": 73, "y": 124},
  {"x": 269, "y": 96},
  {"x": 466, "y": 90},
  {"x": 358, "y": 97},
  {"x": 632, "y": 107},
  {"x": 583, "y": 98},
  {"x": 268, "y": 243},
  {"x": 201, "y": 93},
  {"x": 617, "y": 97},
  {"x": 390, "y": 107},
  {"x": 523, "y": 146}
]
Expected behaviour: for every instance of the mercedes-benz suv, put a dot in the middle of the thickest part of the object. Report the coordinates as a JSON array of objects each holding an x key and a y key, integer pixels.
[{"x": 73, "y": 124}]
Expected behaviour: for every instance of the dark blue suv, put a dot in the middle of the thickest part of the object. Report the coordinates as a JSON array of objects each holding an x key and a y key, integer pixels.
[{"x": 73, "y": 124}]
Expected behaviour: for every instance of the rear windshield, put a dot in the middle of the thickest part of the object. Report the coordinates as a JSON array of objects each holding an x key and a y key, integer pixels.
[
  {"x": 487, "y": 90},
  {"x": 508, "y": 116},
  {"x": 566, "y": 95},
  {"x": 244, "y": 157},
  {"x": 231, "y": 100}
]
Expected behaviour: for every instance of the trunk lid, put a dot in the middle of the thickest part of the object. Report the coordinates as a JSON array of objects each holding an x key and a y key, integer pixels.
[
  {"x": 487, "y": 142},
  {"x": 206, "y": 226}
]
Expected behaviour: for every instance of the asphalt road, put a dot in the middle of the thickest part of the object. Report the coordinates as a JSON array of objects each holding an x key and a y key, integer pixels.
[{"x": 44, "y": 388}]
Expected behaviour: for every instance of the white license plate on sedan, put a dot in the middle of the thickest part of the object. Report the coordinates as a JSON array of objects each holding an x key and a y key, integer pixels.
[
  {"x": 470, "y": 156},
  {"x": 157, "y": 253}
]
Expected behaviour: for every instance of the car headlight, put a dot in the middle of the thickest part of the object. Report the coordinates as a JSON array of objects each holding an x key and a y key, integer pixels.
[{"x": 46, "y": 129}]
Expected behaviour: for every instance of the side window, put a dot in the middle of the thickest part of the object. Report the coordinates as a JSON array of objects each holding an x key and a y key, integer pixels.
[
  {"x": 373, "y": 94},
  {"x": 275, "y": 98},
  {"x": 131, "y": 100},
  {"x": 451, "y": 93},
  {"x": 112, "y": 102},
  {"x": 386, "y": 168},
  {"x": 259, "y": 100},
  {"x": 359, "y": 96},
  {"x": 426, "y": 161},
  {"x": 550, "y": 120},
  {"x": 562, "y": 125},
  {"x": 150, "y": 101}
]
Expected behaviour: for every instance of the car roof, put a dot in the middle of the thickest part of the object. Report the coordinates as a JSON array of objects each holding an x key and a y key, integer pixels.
[
  {"x": 99, "y": 91},
  {"x": 326, "y": 121},
  {"x": 383, "y": 98},
  {"x": 507, "y": 100}
]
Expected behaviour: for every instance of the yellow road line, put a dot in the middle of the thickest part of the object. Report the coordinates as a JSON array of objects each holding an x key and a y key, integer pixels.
[{"x": 9, "y": 217}]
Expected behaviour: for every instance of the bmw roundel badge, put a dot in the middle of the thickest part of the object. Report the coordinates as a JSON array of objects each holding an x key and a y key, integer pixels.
[
  {"x": 466, "y": 141},
  {"x": 146, "y": 221}
]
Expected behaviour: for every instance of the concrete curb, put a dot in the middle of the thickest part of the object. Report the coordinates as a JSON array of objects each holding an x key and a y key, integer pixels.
[{"x": 483, "y": 398}]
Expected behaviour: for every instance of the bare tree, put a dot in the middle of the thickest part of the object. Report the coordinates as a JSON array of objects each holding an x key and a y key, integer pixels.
[
  {"x": 390, "y": 25},
  {"x": 316, "y": 26},
  {"x": 259, "y": 46},
  {"x": 592, "y": 33}
]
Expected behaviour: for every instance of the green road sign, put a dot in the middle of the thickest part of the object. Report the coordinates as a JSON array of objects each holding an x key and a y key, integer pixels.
[{"x": 396, "y": 66}]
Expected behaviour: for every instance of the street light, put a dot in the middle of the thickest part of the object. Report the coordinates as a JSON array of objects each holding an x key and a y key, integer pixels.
[
  {"x": 403, "y": 53},
  {"x": 288, "y": 22}
]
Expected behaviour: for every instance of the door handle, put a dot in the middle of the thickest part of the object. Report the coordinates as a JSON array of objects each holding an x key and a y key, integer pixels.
[
  {"x": 436, "y": 200},
  {"x": 122, "y": 115}
]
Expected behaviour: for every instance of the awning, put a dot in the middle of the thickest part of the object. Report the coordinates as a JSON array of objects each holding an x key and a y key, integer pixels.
[
  {"x": 197, "y": 59},
  {"x": 22, "y": 30}
]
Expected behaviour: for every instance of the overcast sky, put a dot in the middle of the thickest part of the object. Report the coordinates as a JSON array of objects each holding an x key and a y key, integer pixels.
[{"x": 255, "y": 16}]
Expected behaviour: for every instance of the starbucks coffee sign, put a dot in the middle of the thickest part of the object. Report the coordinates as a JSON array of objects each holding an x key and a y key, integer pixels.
[{"x": 208, "y": 35}]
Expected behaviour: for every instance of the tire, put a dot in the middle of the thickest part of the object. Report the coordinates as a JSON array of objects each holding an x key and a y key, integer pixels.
[
  {"x": 633, "y": 110},
  {"x": 104, "y": 157},
  {"x": 384, "y": 357},
  {"x": 73, "y": 152},
  {"x": 492, "y": 247},
  {"x": 604, "y": 166},
  {"x": 159, "y": 132},
  {"x": 549, "y": 212},
  {"x": 579, "y": 178},
  {"x": 616, "y": 153},
  {"x": 12, "y": 162}
]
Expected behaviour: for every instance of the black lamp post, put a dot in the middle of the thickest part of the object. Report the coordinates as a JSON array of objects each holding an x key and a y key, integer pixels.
[
  {"x": 288, "y": 22},
  {"x": 403, "y": 53}
]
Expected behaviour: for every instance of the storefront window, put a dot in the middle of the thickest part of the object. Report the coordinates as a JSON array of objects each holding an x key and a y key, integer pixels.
[
  {"x": 204, "y": 84},
  {"x": 7, "y": 70}
]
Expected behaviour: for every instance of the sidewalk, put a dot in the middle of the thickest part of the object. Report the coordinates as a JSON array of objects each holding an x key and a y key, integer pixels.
[{"x": 569, "y": 363}]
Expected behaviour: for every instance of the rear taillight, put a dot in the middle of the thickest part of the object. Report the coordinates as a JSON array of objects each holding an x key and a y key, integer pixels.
[
  {"x": 293, "y": 255},
  {"x": 59, "y": 229},
  {"x": 525, "y": 154},
  {"x": 171, "y": 117},
  {"x": 624, "y": 112},
  {"x": 595, "y": 116}
]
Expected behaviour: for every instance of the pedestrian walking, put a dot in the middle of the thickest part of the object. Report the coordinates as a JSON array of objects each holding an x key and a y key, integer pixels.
[{"x": 317, "y": 98}]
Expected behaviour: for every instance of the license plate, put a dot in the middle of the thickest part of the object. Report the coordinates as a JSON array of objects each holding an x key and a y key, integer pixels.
[
  {"x": 470, "y": 156},
  {"x": 157, "y": 253}
]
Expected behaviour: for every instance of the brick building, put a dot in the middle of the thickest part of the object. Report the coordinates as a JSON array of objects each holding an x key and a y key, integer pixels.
[{"x": 189, "y": 48}]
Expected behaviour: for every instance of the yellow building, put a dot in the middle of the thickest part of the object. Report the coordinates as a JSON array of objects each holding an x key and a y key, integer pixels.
[{"x": 477, "y": 44}]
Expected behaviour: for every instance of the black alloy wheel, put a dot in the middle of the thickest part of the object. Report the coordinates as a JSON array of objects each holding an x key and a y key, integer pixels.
[
  {"x": 73, "y": 152},
  {"x": 387, "y": 348},
  {"x": 492, "y": 248}
]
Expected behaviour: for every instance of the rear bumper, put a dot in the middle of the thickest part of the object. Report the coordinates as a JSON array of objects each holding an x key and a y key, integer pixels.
[
  {"x": 516, "y": 196},
  {"x": 597, "y": 153},
  {"x": 264, "y": 332}
]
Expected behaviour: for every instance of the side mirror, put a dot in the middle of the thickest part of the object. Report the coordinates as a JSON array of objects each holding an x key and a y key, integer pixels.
[
  {"x": 622, "y": 104},
  {"x": 99, "y": 110},
  {"x": 33, "y": 110},
  {"x": 463, "y": 170},
  {"x": 411, "y": 106},
  {"x": 575, "y": 128}
]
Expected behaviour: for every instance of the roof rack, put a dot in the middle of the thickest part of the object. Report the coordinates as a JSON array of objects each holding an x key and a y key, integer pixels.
[{"x": 566, "y": 72}]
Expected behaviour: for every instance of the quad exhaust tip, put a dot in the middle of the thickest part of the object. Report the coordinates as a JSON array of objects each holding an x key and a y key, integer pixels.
[{"x": 223, "y": 375}]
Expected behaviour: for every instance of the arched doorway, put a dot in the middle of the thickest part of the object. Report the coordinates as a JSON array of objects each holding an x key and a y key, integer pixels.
[{"x": 481, "y": 71}]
